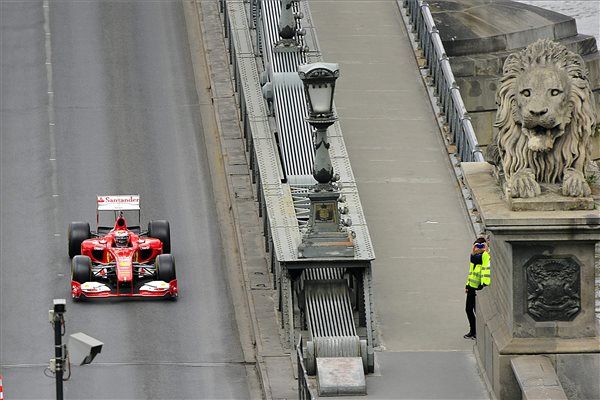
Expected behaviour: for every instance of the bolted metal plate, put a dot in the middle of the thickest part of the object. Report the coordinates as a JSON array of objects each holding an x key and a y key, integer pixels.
[
  {"x": 259, "y": 128},
  {"x": 337, "y": 147},
  {"x": 313, "y": 57},
  {"x": 242, "y": 43},
  {"x": 286, "y": 241},
  {"x": 363, "y": 248},
  {"x": 342, "y": 167},
  {"x": 335, "y": 130},
  {"x": 273, "y": 189},
  {"x": 310, "y": 40},
  {"x": 237, "y": 15},
  {"x": 281, "y": 210},
  {"x": 354, "y": 206},
  {"x": 267, "y": 161},
  {"x": 307, "y": 21},
  {"x": 250, "y": 83}
]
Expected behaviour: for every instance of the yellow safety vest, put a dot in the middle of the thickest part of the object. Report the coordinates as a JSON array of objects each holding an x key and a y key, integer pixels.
[{"x": 479, "y": 274}]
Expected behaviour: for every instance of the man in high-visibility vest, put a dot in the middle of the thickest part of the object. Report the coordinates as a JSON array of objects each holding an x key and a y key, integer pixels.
[{"x": 479, "y": 277}]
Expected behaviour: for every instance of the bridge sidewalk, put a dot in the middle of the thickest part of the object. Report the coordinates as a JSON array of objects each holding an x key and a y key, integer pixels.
[{"x": 412, "y": 202}]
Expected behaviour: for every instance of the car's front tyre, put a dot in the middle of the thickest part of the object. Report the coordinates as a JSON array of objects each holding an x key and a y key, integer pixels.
[
  {"x": 165, "y": 267},
  {"x": 81, "y": 269}
]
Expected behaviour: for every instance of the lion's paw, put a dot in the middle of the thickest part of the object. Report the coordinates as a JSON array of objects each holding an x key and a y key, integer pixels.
[
  {"x": 574, "y": 184},
  {"x": 523, "y": 184}
]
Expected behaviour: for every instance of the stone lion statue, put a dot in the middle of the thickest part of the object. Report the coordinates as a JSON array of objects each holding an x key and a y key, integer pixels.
[{"x": 545, "y": 121}]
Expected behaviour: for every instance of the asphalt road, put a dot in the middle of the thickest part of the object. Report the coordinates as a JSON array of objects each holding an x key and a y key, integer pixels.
[{"x": 122, "y": 116}]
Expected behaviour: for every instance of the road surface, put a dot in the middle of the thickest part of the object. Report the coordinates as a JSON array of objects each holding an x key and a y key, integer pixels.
[{"x": 98, "y": 97}]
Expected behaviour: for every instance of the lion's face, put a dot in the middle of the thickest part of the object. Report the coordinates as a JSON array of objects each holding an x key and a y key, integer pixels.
[{"x": 542, "y": 106}]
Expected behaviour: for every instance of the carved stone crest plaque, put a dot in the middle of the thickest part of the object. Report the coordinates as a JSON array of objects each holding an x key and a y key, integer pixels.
[{"x": 553, "y": 288}]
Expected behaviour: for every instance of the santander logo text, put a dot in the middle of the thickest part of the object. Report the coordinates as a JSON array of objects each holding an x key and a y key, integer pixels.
[{"x": 129, "y": 199}]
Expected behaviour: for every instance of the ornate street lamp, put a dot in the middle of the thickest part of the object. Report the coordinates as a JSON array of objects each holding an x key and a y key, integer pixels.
[
  {"x": 319, "y": 85},
  {"x": 326, "y": 235}
]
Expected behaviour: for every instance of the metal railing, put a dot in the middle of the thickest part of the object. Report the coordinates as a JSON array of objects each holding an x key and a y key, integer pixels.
[
  {"x": 305, "y": 392},
  {"x": 450, "y": 100}
]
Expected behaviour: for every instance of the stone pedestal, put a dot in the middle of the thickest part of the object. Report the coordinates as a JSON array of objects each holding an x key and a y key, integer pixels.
[
  {"x": 325, "y": 236},
  {"x": 551, "y": 199},
  {"x": 541, "y": 299}
]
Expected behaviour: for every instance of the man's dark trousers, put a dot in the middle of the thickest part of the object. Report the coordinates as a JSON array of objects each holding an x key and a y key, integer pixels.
[{"x": 470, "y": 309}]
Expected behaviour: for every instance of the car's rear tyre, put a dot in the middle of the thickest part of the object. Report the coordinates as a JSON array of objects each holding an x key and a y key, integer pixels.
[
  {"x": 81, "y": 269},
  {"x": 76, "y": 234},
  {"x": 160, "y": 229},
  {"x": 165, "y": 267}
]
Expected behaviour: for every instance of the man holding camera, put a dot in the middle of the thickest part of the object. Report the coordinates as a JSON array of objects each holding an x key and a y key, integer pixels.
[{"x": 479, "y": 277}]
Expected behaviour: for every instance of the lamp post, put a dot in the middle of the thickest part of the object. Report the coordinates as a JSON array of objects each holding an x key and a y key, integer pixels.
[
  {"x": 287, "y": 28},
  {"x": 325, "y": 236}
]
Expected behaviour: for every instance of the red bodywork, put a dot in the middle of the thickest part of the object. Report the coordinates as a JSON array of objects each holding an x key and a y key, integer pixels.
[{"x": 124, "y": 270}]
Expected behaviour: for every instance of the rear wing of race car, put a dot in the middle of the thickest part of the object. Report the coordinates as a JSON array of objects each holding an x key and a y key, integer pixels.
[{"x": 115, "y": 205}]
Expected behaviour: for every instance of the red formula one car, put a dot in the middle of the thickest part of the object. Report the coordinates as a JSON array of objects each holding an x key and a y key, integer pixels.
[{"x": 120, "y": 260}]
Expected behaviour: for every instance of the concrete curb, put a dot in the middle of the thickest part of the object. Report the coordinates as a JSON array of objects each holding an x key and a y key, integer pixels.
[{"x": 223, "y": 190}]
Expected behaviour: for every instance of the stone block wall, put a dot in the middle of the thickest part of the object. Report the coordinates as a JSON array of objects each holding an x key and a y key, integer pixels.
[{"x": 505, "y": 330}]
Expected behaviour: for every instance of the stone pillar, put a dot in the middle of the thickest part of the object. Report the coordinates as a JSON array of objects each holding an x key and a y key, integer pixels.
[{"x": 541, "y": 299}]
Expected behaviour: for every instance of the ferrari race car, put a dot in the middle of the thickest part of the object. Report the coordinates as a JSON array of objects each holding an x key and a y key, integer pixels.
[{"x": 118, "y": 259}]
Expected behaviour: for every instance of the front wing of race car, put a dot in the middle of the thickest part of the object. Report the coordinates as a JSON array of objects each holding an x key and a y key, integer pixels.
[{"x": 94, "y": 289}]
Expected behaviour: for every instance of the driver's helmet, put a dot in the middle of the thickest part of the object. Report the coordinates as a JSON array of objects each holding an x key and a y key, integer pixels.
[{"x": 121, "y": 239}]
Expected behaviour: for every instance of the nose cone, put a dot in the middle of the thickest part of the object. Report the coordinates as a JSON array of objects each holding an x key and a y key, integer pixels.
[{"x": 124, "y": 268}]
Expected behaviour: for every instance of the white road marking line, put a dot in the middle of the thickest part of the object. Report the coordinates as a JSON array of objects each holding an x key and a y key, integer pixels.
[{"x": 51, "y": 116}]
